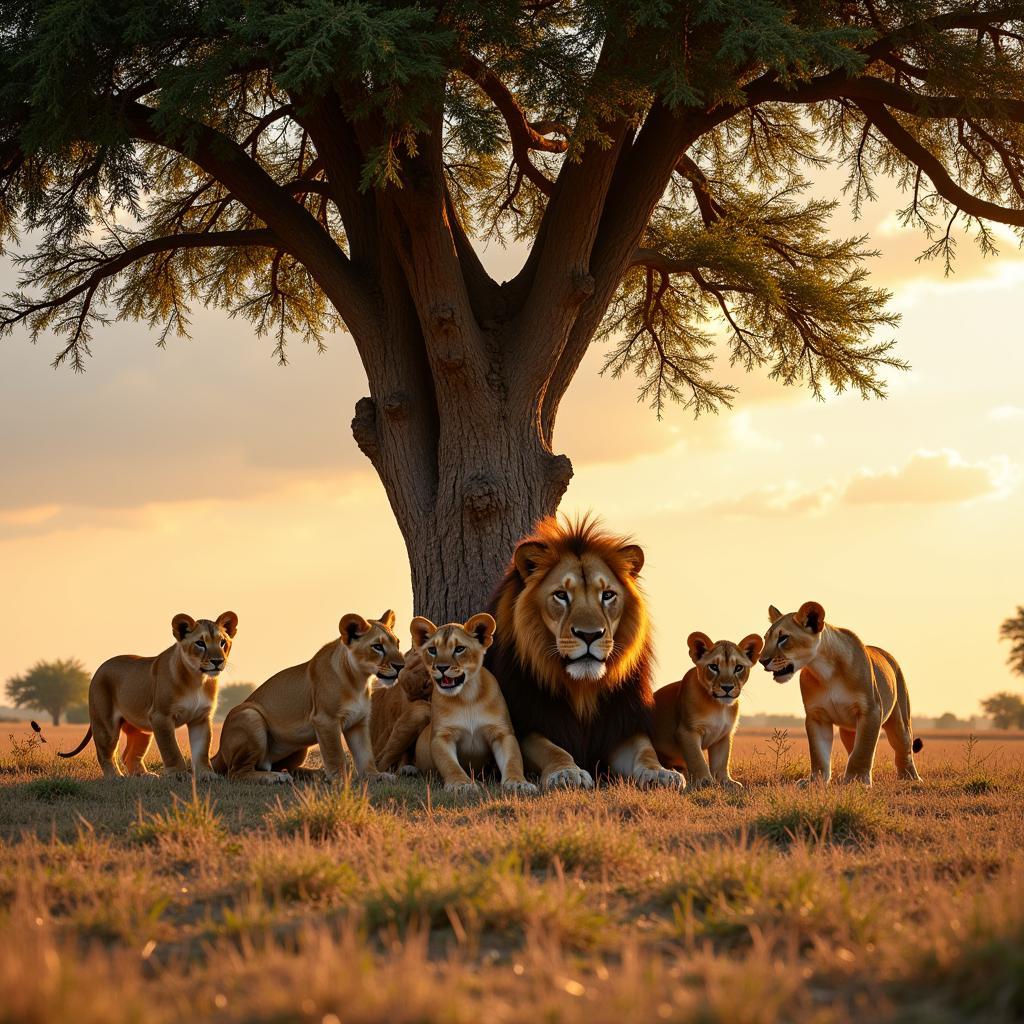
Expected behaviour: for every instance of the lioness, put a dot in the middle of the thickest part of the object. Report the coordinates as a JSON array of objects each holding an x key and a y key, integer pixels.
[
  {"x": 573, "y": 656},
  {"x": 267, "y": 736},
  {"x": 469, "y": 724},
  {"x": 149, "y": 697},
  {"x": 843, "y": 683},
  {"x": 701, "y": 711}
]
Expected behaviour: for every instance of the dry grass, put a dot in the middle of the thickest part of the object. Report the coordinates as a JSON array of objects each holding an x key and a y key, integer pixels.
[{"x": 145, "y": 901}]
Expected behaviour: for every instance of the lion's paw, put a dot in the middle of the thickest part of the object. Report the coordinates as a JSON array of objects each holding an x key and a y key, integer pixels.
[
  {"x": 568, "y": 778},
  {"x": 373, "y": 777},
  {"x": 409, "y": 770},
  {"x": 520, "y": 786},
  {"x": 864, "y": 778},
  {"x": 461, "y": 788},
  {"x": 731, "y": 784},
  {"x": 659, "y": 778},
  {"x": 812, "y": 780}
]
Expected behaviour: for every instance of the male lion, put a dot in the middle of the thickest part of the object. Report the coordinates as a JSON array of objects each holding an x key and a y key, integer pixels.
[
  {"x": 572, "y": 655},
  {"x": 153, "y": 696},
  {"x": 844, "y": 683}
]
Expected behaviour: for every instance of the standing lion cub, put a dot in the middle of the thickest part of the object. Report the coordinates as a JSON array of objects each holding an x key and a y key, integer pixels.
[
  {"x": 267, "y": 736},
  {"x": 469, "y": 723},
  {"x": 701, "y": 711},
  {"x": 149, "y": 697}
]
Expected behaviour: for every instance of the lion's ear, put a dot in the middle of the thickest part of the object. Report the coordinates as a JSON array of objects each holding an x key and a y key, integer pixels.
[
  {"x": 482, "y": 626},
  {"x": 528, "y": 557},
  {"x": 228, "y": 621},
  {"x": 633, "y": 557},
  {"x": 421, "y": 629},
  {"x": 811, "y": 616},
  {"x": 352, "y": 626},
  {"x": 698, "y": 645},
  {"x": 182, "y": 625},
  {"x": 751, "y": 646},
  {"x": 388, "y": 619},
  {"x": 773, "y": 614}
]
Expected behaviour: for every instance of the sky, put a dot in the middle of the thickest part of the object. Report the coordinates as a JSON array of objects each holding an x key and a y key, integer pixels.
[{"x": 204, "y": 477}]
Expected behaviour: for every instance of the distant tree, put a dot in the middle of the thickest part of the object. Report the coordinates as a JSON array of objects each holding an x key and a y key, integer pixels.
[
  {"x": 947, "y": 721},
  {"x": 1013, "y": 630},
  {"x": 1005, "y": 709},
  {"x": 230, "y": 696},
  {"x": 51, "y": 686}
]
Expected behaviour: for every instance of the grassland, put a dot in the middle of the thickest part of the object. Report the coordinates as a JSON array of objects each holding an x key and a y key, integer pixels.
[{"x": 145, "y": 901}]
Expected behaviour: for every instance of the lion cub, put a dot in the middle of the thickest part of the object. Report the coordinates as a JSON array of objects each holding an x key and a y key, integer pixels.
[
  {"x": 701, "y": 711},
  {"x": 843, "y": 683},
  {"x": 398, "y": 714},
  {"x": 149, "y": 697},
  {"x": 267, "y": 736},
  {"x": 469, "y": 722}
]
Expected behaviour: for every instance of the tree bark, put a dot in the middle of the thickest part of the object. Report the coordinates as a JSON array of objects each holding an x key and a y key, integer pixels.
[{"x": 461, "y": 512}]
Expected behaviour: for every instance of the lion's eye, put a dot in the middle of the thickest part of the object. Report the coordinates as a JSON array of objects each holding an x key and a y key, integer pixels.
[
  {"x": 201, "y": 645},
  {"x": 379, "y": 648},
  {"x": 739, "y": 669},
  {"x": 783, "y": 640},
  {"x": 459, "y": 649},
  {"x": 608, "y": 595},
  {"x": 432, "y": 651},
  {"x": 561, "y": 595},
  {"x": 223, "y": 645},
  {"x": 713, "y": 669}
]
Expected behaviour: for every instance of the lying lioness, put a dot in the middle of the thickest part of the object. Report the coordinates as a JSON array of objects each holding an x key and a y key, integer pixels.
[
  {"x": 843, "y": 683},
  {"x": 701, "y": 711},
  {"x": 149, "y": 697},
  {"x": 267, "y": 736},
  {"x": 469, "y": 723}
]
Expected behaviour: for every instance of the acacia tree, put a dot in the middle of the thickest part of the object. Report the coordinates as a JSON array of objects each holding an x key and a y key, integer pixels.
[
  {"x": 51, "y": 686},
  {"x": 1012, "y": 629},
  {"x": 316, "y": 164}
]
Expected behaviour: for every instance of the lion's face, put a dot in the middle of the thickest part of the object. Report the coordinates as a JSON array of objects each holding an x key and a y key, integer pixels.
[
  {"x": 205, "y": 645},
  {"x": 372, "y": 646},
  {"x": 580, "y": 601},
  {"x": 454, "y": 652},
  {"x": 574, "y": 609},
  {"x": 724, "y": 667},
  {"x": 792, "y": 641}
]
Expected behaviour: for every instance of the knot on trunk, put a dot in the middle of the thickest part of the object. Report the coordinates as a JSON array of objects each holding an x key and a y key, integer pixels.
[
  {"x": 559, "y": 473},
  {"x": 396, "y": 405},
  {"x": 364, "y": 428},
  {"x": 480, "y": 497},
  {"x": 583, "y": 284}
]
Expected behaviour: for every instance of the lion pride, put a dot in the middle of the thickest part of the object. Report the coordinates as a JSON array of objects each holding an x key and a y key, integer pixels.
[{"x": 572, "y": 654}]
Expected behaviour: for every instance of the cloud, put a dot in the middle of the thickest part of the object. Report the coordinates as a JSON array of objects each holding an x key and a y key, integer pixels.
[
  {"x": 1006, "y": 412},
  {"x": 787, "y": 499},
  {"x": 930, "y": 477}
]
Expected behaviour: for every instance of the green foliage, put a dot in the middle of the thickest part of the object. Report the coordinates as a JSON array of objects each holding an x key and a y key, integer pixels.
[
  {"x": 1012, "y": 630},
  {"x": 324, "y": 812},
  {"x": 108, "y": 106},
  {"x": 53, "y": 790},
  {"x": 1005, "y": 709},
  {"x": 51, "y": 686},
  {"x": 841, "y": 814}
]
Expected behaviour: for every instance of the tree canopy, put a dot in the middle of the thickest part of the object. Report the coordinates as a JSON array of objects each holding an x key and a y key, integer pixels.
[
  {"x": 1012, "y": 629},
  {"x": 51, "y": 686},
  {"x": 314, "y": 164},
  {"x": 1005, "y": 709}
]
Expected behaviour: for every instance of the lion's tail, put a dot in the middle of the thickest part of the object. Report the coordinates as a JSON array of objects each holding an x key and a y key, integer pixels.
[{"x": 81, "y": 746}]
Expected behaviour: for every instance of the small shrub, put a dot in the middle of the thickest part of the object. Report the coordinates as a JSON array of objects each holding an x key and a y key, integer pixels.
[
  {"x": 299, "y": 873},
  {"x": 588, "y": 846},
  {"x": 51, "y": 791},
  {"x": 325, "y": 812},
  {"x": 980, "y": 785},
  {"x": 845, "y": 814},
  {"x": 189, "y": 821}
]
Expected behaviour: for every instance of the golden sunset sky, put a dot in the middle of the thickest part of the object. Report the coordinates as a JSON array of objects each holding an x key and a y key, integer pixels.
[{"x": 205, "y": 477}]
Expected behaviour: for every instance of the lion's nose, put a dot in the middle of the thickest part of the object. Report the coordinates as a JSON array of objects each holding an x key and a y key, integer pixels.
[
  {"x": 216, "y": 662},
  {"x": 587, "y": 638},
  {"x": 767, "y": 661},
  {"x": 728, "y": 687},
  {"x": 397, "y": 665},
  {"x": 442, "y": 668}
]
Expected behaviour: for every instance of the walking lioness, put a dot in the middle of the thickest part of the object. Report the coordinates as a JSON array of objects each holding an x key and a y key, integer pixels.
[
  {"x": 844, "y": 683},
  {"x": 267, "y": 736},
  {"x": 149, "y": 697}
]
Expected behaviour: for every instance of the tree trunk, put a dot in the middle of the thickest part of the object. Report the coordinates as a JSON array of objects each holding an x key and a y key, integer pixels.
[
  {"x": 490, "y": 479},
  {"x": 55, "y": 715}
]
